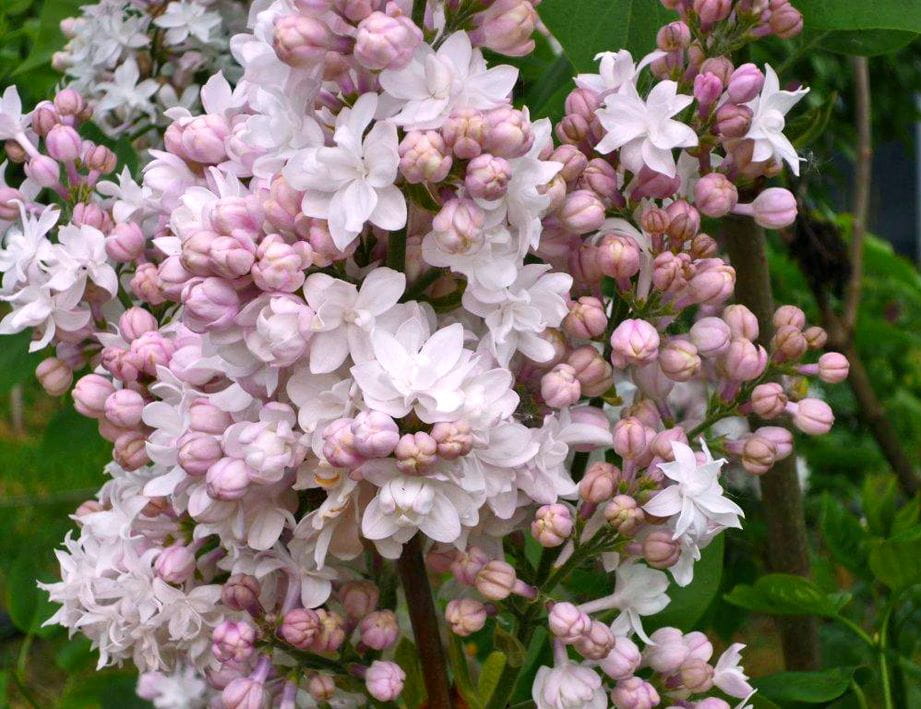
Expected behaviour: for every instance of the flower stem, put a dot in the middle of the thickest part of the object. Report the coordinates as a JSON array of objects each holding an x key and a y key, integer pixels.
[
  {"x": 418, "y": 14},
  {"x": 415, "y": 581}
]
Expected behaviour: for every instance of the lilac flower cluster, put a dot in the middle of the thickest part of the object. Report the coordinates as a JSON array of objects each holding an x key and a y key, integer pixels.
[{"x": 361, "y": 299}]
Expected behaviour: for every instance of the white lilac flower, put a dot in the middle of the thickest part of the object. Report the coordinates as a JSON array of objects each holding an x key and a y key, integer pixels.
[
  {"x": 80, "y": 254},
  {"x": 638, "y": 591},
  {"x": 644, "y": 131},
  {"x": 12, "y": 121},
  {"x": 25, "y": 246},
  {"x": 36, "y": 306},
  {"x": 568, "y": 685},
  {"x": 352, "y": 183},
  {"x": 615, "y": 71},
  {"x": 518, "y": 314},
  {"x": 437, "y": 82},
  {"x": 125, "y": 95},
  {"x": 696, "y": 497},
  {"x": 728, "y": 674},
  {"x": 344, "y": 315},
  {"x": 768, "y": 121},
  {"x": 182, "y": 19}
]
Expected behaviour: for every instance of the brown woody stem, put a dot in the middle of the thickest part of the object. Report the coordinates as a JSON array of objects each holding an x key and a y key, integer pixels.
[{"x": 782, "y": 499}]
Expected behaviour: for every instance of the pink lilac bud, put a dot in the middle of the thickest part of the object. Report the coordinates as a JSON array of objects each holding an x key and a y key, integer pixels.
[
  {"x": 833, "y": 367},
  {"x": 788, "y": 343},
  {"x": 279, "y": 266},
  {"x": 453, "y": 439},
  {"x": 198, "y": 452},
  {"x": 789, "y": 315},
  {"x": 661, "y": 445},
  {"x": 583, "y": 212},
  {"x": 743, "y": 361},
  {"x": 151, "y": 350},
  {"x": 599, "y": 483},
  {"x": 125, "y": 243},
  {"x": 465, "y": 616},
  {"x": 654, "y": 185},
  {"x": 228, "y": 479},
  {"x": 358, "y": 598},
  {"x": 90, "y": 395},
  {"x": 758, "y": 454},
  {"x": 44, "y": 118},
  {"x": 55, "y": 376},
  {"x": 241, "y": 593},
  {"x": 465, "y": 133},
  {"x": 552, "y": 525},
  {"x": 339, "y": 444},
  {"x": 100, "y": 158},
  {"x": 684, "y": 220},
  {"x": 68, "y": 102},
  {"x": 91, "y": 214},
  {"x": 497, "y": 581},
  {"x": 594, "y": 374},
  {"x": 707, "y": 89},
  {"x": 233, "y": 640},
  {"x": 652, "y": 382},
  {"x": 203, "y": 139},
  {"x": 768, "y": 400},
  {"x": 509, "y": 134},
  {"x": 775, "y": 208},
  {"x": 386, "y": 42},
  {"x": 812, "y": 416},
  {"x": 9, "y": 196},
  {"x": 211, "y": 304},
  {"x": 175, "y": 564},
  {"x": 300, "y": 627},
  {"x": 379, "y": 630},
  {"x": 487, "y": 177},
  {"x": 468, "y": 564},
  {"x": 679, "y": 360},
  {"x": 459, "y": 225},
  {"x": 586, "y": 318},
  {"x": 673, "y": 36},
  {"x": 321, "y": 687},
  {"x": 43, "y": 170},
  {"x": 303, "y": 41},
  {"x": 205, "y": 417},
  {"x": 130, "y": 450},
  {"x": 745, "y": 83},
  {"x": 741, "y": 321},
  {"x": 618, "y": 256},
  {"x": 720, "y": 66},
  {"x": 134, "y": 322},
  {"x": 567, "y": 622},
  {"x": 659, "y": 549},
  {"x": 816, "y": 337},
  {"x": 124, "y": 408},
  {"x": 560, "y": 387},
  {"x": 424, "y": 157},
  {"x": 416, "y": 453},
  {"x": 733, "y": 120},
  {"x": 634, "y": 693},
  {"x": 786, "y": 21},
  {"x": 711, "y": 11},
  {"x": 384, "y": 680},
  {"x": 374, "y": 434},
  {"x": 631, "y": 438},
  {"x": 780, "y": 437},
  {"x": 232, "y": 256},
  {"x": 624, "y": 514},
  {"x": 596, "y": 643},
  {"x": 244, "y": 693},
  {"x": 634, "y": 341},
  {"x": 573, "y": 161},
  {"x": 601, "y": 178},
  {"x": 696, "y": 676},
  {"x": 331, "y": 634},
  {"x": 63, "y": 143},
  {"x": 715, "y": 195},
  {"x": 623, "y": 660},
  {"x": 667, "y": 651},
  {"x": 506, "y": 27}
]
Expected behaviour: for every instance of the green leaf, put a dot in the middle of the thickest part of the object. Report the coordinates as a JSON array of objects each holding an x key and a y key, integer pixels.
[
  {"x": 17, "y": 364},
  {"x": 104, "y": 690},
  {"x": 688, "y": 604},
  {"x": 896, "y": 562},
  {"x": 902, "y": 15},
  {"x": 27, "y": 605},
  {"x": 808, "y": 687},
  {"x": 75, "y": 655},
  {"x": 906, "y": 517},
  {"x": 867, "y": 43},
  {"x": 539, "y": 653},
  {"x": 490, "y": 674},
  {"x": 843, "y": 535},
  {"x": 406, "y": 656},
  {"x": 586, "y": 27},
  {"x": 804, "y": 130},
  {"x": 785, "y": 594},
  {"x": 510, "y": 645},
  {"x": 49, "y": 38},
  {"x": 878, "y": 496}
]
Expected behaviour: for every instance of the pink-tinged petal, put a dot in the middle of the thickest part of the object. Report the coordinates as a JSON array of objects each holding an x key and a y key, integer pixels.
[
  {"x": 381, "y": 290},
  {"x": 665, "y": 503},
  {"x": 266, "y": 529},
  {"x": 328, "y": 351},
  {"x": 375, "y": 524},
  {"x": 658, "y": 159},
  {"x": 441, "y": 523},
  {"x": 390, "y": 211}
]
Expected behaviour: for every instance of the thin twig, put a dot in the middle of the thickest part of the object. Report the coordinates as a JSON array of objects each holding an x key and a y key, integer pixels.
[{"x": 863, "y": 171}]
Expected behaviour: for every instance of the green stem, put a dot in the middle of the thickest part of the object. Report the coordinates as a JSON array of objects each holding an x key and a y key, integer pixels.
[
  {"x": 859, "y": 695},
  {"x": 856, "y": 629},
  {"x": 884, "y": 660},
  {"x": 418, "y": 14}
]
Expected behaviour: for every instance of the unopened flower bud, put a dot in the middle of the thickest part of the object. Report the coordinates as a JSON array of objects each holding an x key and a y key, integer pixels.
[
  {"x": 552, "y": 525},
  {"x": 659, "y": 549},
  {"x": 599, "y": 482},
  {"x": 130, "y": 450},
  {"x": 624, "y": 514},
  {"x": 833, "y": 367},
  {"x": 379, "y": 630},
  {"x": 631, "y": 438},
  {"x": 465, "y": 616},
  {"x": 679, "y": 360},
  {"x": 618, "y": 256},
  {"x": 715, "y": 195},
  {"x": 384, "y": 680},
  {"x": 509, "y": 134},
  {"x": 745, "y": 83},
  {"x": 125, "y": 243},
  {"x": 758, "y": 454},
  {"x": 711, "y": 11},
  {"x": 339, "y": 445},
  {"x": 416, "y": 453},
  {"x": 567, "y": 622},
  {"x": 175, "y": 564},
  {"x": 816, "y": 337},
  {"x": 100, "y": 158},
  {"x": 596, "y": 643},
  {"x": 458, "y": 227},
  {"x": 684, "y": 220},
  {"x": 634, "y": 693},
  {"x": 198, "y": 452},
  {"x": 424, "y": 157},
  {"x": 302, "y": 41},
  {"x": 506, "y": 27},
  {"x": 743, "y": 361},
  {"x": 487, "y": 177},
  {"x": 468, "y": 564},
  {"x": 583, "y": 212},
  {"x": 386, "y": 42},
  {"x": 673, "y": 36},
  {"x": 465, "y": 133},
  {"x": 786, "y": 21},
  {"x": 54, "y": 375},
  {"x": 707, "y": 89},
  {"x": 228, "y": 479},
  {"x": 623, "y": 659},
  {"x": 43, "y": 170},
  {"x": 586, "y": 318},
  {"x": 90, "y": 395},
  {"x": 560, "y": 387},
  {"x": 594, "y": 374},
  {"x": 789, "y": 315},
  {"x": 741, "y": 321},
  {"x": 788, "y": 343},
  {"x": 733, "y": 120},
  {"x": 63, "y": 143},
  {"x": 634, "y": 341},
  {"x": 241, "y": 593},
  {"x": 374, "y": 434},
  {"x": 210, "y": 304},
  {"x": 775, "y": 208},
  {"x": 812, "y": 416},
  {"x": 123, "y": 407},
  {"x": 780, "y": 437},
  {"x": 300, "y": 627},
  {"x": 696, "y": 675},
  {"x": 768, "y": 400},
  {"x": 497, "y": 581},
  {"x": 233, "y": 640}
]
